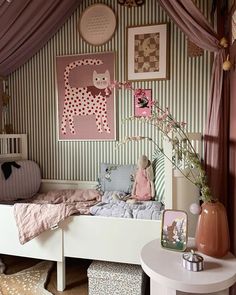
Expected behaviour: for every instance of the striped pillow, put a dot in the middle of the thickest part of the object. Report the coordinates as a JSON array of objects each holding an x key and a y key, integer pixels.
[
  {"x": 23, "y": 183},
  {"x": 158, "y": 164}
]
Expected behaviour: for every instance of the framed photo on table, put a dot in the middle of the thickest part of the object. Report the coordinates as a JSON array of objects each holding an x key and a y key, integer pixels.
[
  {"x": 174, "y": 230},
  {"x": 147, "y": 52}
]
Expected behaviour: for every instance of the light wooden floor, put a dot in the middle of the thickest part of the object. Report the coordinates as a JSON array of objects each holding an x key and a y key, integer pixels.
[{"x": 76, "y": 274}]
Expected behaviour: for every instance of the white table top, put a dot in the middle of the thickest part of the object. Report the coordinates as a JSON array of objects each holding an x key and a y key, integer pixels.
[{"x": 165, "y": 267}]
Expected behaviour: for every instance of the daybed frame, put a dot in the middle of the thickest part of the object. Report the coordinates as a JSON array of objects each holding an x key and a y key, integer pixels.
[{"x": 89, "y": 237}]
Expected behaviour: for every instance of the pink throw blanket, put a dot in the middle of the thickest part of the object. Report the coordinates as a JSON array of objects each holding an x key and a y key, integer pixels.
[{"x": 45, "y": 211}]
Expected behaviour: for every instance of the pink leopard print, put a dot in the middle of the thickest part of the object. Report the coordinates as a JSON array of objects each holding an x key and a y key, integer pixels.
[{"x": 84, "y": 101}]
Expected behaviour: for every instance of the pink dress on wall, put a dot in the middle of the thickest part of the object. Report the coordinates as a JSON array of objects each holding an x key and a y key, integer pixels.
[{"x": 142, "y": 191}]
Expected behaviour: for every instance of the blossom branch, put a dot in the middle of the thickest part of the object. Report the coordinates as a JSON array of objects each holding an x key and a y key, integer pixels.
[{"x": 175, "y": 132}]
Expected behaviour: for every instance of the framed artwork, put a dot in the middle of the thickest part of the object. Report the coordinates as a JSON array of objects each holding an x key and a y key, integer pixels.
[
  {"x": 86, "y": 106},
  {"x": 147, "y": 53},
  {"x": 143, "y": 103},
  {"x": 174, "y": 230}
]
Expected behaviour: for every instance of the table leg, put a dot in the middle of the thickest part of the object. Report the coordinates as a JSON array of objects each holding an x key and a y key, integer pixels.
[
  {"x": 157, "y": 289},
  {"x": 224, "y": 292},
  {"x": 61, "y": 276}
]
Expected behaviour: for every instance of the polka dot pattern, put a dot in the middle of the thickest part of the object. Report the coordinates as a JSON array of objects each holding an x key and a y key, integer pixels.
[
  {"x": 84, "y": 101},
  {"x": 108, "y": 278}
]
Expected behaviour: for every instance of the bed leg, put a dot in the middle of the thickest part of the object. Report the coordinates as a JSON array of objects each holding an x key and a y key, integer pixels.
[{"x": 61, "y": 275}]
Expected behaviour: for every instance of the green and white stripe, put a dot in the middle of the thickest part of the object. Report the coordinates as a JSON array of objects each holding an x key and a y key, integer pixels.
[
  {"x": 33, "y": 107},
  {"x": 158, "y": 165}
]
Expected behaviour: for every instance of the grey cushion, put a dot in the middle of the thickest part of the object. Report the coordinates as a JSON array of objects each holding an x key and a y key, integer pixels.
[
  {"x": 117, "y": 177},
  {"x": 23, "y": 183}
]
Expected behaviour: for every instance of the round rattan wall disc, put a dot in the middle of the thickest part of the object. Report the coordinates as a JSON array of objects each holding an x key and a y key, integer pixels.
[{"x": 97, "y": 24}]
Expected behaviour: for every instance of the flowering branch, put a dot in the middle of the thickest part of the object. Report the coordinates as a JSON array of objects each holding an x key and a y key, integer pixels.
[
  {"x": 138, "y": 138},
  {"x": 175, "y": 132}
]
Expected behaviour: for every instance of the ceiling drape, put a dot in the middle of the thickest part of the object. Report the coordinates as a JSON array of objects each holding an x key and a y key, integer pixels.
[
  {"x": 193, "y": 23},
  {"x": 26, "y": 25}
]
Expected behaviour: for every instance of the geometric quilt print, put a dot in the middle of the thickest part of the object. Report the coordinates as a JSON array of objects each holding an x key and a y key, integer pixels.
[{"x": 146, "y": 58}]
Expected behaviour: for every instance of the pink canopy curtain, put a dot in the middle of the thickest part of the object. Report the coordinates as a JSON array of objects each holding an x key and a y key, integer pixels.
[
  {"x": 232, "y": 152},
  {"x": 193, "y": 23},
  {"x": 25, "y": 26}
]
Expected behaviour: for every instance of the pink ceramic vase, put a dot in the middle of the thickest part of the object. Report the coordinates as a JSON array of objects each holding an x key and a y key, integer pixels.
[{"x": 212, "y": 234}]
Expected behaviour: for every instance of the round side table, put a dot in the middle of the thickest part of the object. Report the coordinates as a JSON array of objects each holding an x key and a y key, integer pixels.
[{"x": 169, "y": 277}]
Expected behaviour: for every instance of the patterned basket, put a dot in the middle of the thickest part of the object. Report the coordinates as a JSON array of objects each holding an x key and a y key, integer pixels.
[{"x": 115, "y": 278}]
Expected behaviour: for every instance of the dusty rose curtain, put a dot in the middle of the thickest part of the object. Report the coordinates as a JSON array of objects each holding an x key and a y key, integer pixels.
[
  {"x": 193, "y": 23},
  {"x": 26, "y": 25},
  {"x": 232, "y": 155}
]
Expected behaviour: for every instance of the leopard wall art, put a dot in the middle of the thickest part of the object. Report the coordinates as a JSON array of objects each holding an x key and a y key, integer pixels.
[{"x": 86, "y": 101}]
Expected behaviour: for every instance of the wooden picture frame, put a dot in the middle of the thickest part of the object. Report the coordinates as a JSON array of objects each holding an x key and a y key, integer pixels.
[
  {"x": 143, "y": 103},
  {"x": 174, "y": 230},
  {"x": 86, "y": 105},
  {"x": 147, "y": 52}
]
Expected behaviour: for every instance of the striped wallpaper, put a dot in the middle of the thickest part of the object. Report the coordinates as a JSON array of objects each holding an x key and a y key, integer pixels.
[{"x": 33, "y": 106}]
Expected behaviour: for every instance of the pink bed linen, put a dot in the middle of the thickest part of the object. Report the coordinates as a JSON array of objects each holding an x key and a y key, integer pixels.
[{"x": 46, "y": 210}]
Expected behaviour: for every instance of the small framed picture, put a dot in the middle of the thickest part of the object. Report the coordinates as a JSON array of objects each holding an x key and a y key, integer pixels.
[
  {"x": 147, "y": 52},
  {"x": 174, "y": 230},
  {"x": 143, "y": 103}
]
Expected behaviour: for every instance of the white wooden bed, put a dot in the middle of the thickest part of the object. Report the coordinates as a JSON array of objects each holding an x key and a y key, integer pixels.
[{"x": 91, "y": 237}]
